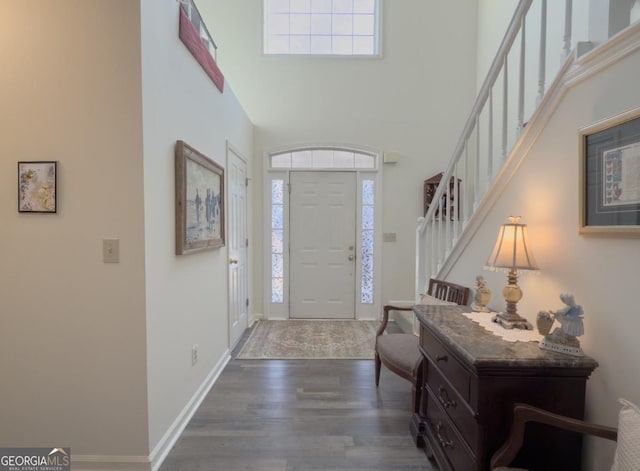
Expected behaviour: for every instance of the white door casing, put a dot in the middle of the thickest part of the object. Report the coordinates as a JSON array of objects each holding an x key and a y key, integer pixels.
[
  {"x": 279, "y": 165},
  {"x": 323, "y": 252},
  {"x": 237, "y": 245}
]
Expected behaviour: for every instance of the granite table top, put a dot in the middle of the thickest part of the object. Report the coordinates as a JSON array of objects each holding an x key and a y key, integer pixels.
[{"x": 481, "y": 349}]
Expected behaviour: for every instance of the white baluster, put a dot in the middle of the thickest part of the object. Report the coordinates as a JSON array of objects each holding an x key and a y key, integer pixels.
[
  {"x": 566, "y": 38},
  {"x": 543, "y": 52},
  {"x": 490, "y": 141},
  {"x": 523, "y": 43},
  {"x": 476, "y": 189},
  {"x": 446, "y": 216},
  {"x": 426, "y": 263},
  {"x": 455, "y": 204},
  {"x": 432, "y": 268},
  {"x": 505, "y": 108},
  {"x": 440, "y": 218},
  {"x": 465, "y": 182}
]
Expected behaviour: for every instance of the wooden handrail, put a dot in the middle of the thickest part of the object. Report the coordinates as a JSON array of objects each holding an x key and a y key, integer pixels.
[
  {"x": 443, "y": 235},
  {"x": 490, "y": 80}
]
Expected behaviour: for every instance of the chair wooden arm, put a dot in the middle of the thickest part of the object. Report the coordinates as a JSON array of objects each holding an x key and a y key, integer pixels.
[
  {"x": 523, "y": 413},
  {"x": 385, "y": 316}
]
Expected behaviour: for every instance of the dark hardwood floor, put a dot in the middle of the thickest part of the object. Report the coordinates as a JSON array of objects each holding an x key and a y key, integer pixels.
[{"x": 286, "y": 415}]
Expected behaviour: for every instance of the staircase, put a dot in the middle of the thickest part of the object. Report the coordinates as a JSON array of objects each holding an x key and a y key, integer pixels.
[{"x": 508, "y": 111}]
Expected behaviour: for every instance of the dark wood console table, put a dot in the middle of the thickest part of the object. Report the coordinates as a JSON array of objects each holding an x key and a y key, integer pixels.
[{"x": 472, "y": 378}]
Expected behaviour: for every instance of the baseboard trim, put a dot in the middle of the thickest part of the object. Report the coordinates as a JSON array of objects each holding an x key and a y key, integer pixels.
[
  {"x": 161, "y": 450},
  {"x": 163, "y": 447},
  {"x": 254, "y": 318}
]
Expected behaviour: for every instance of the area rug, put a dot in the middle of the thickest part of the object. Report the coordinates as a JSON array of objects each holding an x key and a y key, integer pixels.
[{"x": 310, "y": 339}]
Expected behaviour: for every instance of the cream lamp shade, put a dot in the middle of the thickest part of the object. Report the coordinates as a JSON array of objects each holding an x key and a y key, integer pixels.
[{"x": 512, "y": 250}]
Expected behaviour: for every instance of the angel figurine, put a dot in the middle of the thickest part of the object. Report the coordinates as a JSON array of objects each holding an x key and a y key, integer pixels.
[{"x": 564, "y": 338}]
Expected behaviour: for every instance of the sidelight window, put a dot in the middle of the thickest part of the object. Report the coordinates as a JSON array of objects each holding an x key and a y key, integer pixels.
[
  {"x": 367, "y": 234},
  {"x": 277, "y": 241}
]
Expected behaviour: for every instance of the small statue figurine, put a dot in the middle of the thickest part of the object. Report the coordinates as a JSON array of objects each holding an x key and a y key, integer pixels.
[
  {"x": 482, "y": 296},
  {"x": 564, "y": 338}
]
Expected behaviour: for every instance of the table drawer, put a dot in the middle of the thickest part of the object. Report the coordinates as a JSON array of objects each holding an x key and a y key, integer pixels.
[
  {"x": 455, "y": 373},
  {"x": 446, "y": 438},
  {"x": 460, "y": 413}
]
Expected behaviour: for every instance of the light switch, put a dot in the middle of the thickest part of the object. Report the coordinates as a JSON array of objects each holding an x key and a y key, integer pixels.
[{"x": 111, "y": 250}]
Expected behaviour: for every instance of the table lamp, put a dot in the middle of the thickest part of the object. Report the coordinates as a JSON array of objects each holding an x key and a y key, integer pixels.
[{"x": 512, "y": 253}]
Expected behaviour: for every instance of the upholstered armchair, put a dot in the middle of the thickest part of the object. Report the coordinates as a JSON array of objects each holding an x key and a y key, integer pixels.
[{"x": 400, "y": 353}]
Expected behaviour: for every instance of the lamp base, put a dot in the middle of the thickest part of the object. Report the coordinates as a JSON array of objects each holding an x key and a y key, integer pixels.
[{"x": 510, "y": 321}]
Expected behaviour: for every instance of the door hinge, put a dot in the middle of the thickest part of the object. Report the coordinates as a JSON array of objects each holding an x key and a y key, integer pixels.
[
  {"x": 246, "y": 181},
  {"x": 289, "y": 187},
  {"x": 246, "y": 243},
  {"x": 247, "y": 302}
]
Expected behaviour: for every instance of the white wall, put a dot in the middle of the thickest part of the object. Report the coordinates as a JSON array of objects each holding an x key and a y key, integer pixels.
[
  {"x": 602, "y": 272},
  {"x": 413, "y": 101},
  {"x": 98, "y": 356},
  {"x": 72, "y": 341},
  {"x": 186, "y": 295}
]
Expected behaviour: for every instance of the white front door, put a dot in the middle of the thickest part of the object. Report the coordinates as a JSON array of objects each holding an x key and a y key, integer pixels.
[
  {"x": 237, "y": 242},
  {"x": 322, "y": 245}
]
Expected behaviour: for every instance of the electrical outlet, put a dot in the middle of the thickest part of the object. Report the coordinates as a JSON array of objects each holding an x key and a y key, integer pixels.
[{"x": 194, "y": 355}]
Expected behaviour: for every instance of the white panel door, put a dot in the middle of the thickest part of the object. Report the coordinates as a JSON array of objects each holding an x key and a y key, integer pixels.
[
  {"x": 237, "y": 243},
  {"x": 322, "y": 245}
]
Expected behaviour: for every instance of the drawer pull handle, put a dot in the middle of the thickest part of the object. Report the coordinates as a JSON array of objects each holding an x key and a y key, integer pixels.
[
  {"x": 444, "y": 443},
  {"x": 444, "y": 398},
  {"x": 441, "y": 358}
]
